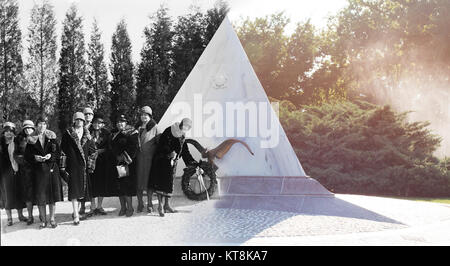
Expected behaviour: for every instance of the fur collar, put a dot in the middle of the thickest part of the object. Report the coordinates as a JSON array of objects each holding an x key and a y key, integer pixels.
[
  {"x": 32, "y": 139},
  {"x": 80, "y": 143},
  {"x": 3, "y": 140},
  {"x": 85, "y": 138}
]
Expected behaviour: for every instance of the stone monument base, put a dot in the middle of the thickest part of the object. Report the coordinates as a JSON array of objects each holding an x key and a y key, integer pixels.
[{"x": 280, "y": 193}]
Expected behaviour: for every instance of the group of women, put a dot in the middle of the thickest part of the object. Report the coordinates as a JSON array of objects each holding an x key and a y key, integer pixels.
[{"x": 93, "y": 161}]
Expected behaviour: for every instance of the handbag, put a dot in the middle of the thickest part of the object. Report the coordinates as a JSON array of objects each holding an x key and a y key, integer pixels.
[
  {"x": 62, "y": 161},
  {"x": 122, "y": 171}
]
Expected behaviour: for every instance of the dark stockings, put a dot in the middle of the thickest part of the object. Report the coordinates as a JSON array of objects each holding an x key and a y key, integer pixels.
[
  {"x": 30, "y": 209},
  {"x": 140, "y": 196},
  {"x": 167, "y": 207},
  {"x": 20, "y": 214},
  {"x": 160, "y": 204},
  {"x": 123, "y": 205},
  {"x": 42, "y": 214},
  {"x": 83, "y": 207},
  {"x": 129, "y": 203},
  {"x": 9, "y": 214}
]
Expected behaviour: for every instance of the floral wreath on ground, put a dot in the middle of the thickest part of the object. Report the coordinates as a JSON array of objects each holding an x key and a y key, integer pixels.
[{"x": 192, "y": 170}]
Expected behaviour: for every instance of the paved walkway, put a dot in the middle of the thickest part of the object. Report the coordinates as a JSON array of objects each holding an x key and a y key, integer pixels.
[{"x": 344, "y": 220}]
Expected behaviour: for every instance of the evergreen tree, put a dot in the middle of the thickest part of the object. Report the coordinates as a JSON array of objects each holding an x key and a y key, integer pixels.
[
  {"x": 214, "y": 18},
  {"x": 97, "y": 74},
  {"x": 189, "y": 43},
  {"x": 155, "y": 69},
  {"x": 122, "y": 83},
  {"x": 72, "y": 64},
  {"x": 41, "y": 68},
  {"x": 360, "y": 148},
  {"x": 10, "y": 56},
  {"x": 192, "y": 34}
]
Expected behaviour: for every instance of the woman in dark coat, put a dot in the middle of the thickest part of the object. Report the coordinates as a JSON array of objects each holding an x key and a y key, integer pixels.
[
  {"x": 124, "y": 148},
  {"x": 77, "y": 145},
  {"x": 101, "y": 179},
  {"x": 25, "y": 173},
  {"x": 43, "y": 153},
  {"x": 88, "y": 115},
  {"x": 9, "y": 186},
  {"x": 171, "y": 147}
]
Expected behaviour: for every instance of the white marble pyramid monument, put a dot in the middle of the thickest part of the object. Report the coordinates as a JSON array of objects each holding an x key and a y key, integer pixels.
[{"x": 221, "y": 80}]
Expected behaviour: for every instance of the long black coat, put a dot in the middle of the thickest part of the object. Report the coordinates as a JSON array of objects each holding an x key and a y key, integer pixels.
[
  {"x": 162, "y": 172},
  {"x": 10, "y": 188},
  {"x": 46, "y": 177},
  {"x": 103, "y": 183},
  {"x": 25, "y": 174},
  {"x": 122, "y": 142},
  {"x": 80, "y": 154}
]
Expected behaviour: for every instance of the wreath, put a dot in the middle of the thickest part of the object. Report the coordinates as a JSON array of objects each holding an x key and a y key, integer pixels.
[
  {"x": 207, "y": 168},
  {"x": 198, "y": 171}
]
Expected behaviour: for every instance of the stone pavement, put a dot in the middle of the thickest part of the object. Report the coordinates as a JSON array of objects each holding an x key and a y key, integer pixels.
[
  {"x": 342, "y": 220},
  {"x": 436, "y": 234}
]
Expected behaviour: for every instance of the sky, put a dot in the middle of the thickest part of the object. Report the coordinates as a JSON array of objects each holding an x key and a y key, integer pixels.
[{"x": 137, "y": 14}]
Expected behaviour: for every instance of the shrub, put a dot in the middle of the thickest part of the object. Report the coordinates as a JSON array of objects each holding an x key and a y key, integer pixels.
[{"x": 356, "y": 147}]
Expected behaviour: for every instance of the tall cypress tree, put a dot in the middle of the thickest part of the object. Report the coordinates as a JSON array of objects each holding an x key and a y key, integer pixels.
[
  {"x": 192, "y": 34},
  {"x": 145, "y": 94},
  {"x": 122, "y": 83},
  {"x": 10, "y": 55},
  {"x": 97, "y": 74},
  {"x": 155, "y": 70},
  {"x": 72, "y": 64},
  {"x": 189, "y": 43},
  {"x": 41, "y": 68}
]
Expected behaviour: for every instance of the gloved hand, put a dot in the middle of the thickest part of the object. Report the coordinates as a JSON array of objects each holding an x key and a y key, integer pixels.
[{"x": 39, "y": 158}]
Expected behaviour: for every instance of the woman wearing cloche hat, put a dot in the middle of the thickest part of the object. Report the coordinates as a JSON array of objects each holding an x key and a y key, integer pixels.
[
  {"x": 42, "y": 153},
  {"x": 171, "y": 146},
  {"x": 77, "y": 145},
  {"x": 148, "y": 130},
  {"x": 9, "y": 187},
  {"x": 124, "y": 148},
  {"x": 102, "y": 185},
  {"x": 25, "y": 173}
]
